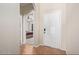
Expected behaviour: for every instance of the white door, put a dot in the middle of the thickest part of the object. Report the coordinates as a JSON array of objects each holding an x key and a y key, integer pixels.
[{"x": 52, "y": 24}]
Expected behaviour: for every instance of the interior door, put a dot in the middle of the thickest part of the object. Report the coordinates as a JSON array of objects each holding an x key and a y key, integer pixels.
[{"x": 52, "y": 26}]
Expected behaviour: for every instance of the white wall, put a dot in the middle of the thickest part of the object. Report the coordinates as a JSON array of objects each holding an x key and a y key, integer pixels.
[
  {"x": 71, "y": 31},
  {"x": 9, "y": 28}
]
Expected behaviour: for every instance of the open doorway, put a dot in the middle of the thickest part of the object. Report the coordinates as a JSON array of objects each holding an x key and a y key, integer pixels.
[{"x": 27, "y": 23}]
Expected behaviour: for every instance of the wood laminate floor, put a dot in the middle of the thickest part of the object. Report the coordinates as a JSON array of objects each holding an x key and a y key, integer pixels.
[{"x": 41, "y": 50}]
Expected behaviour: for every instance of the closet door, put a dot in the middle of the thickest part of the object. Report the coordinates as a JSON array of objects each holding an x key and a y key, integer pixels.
[{"x": 52, "y": 26}]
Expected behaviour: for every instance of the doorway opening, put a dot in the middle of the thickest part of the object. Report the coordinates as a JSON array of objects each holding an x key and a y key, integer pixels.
[{"x": 27, "y": 13}]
